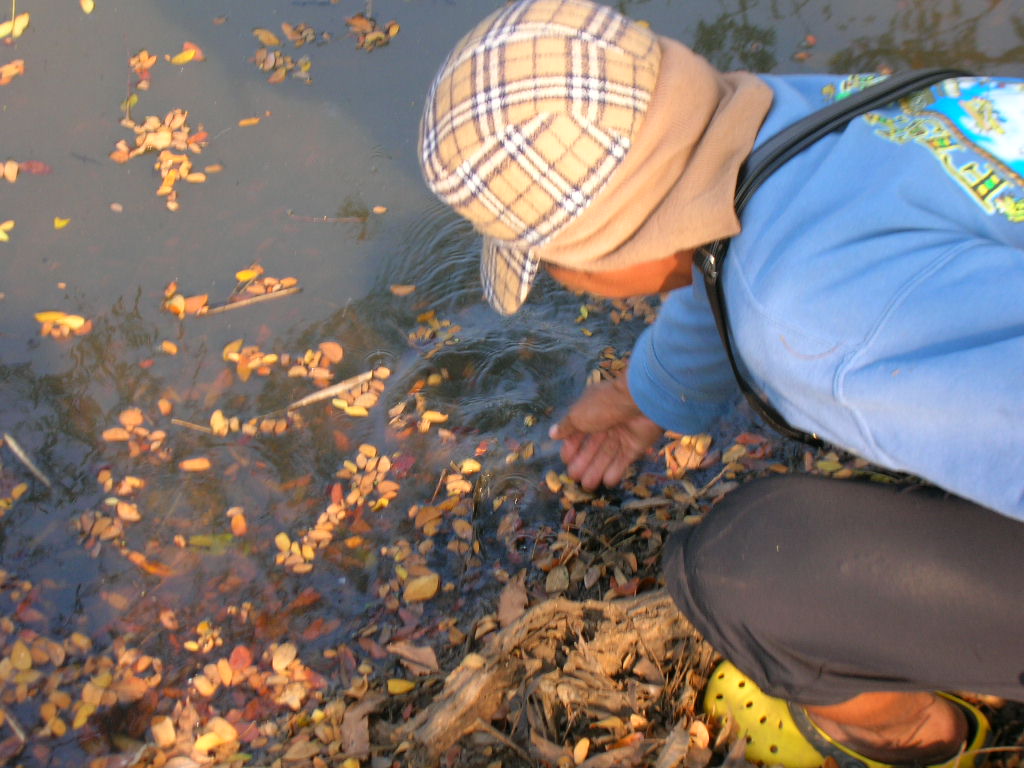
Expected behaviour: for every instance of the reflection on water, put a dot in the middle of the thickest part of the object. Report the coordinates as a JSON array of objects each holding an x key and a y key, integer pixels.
[{"x": 330, "y": 151}]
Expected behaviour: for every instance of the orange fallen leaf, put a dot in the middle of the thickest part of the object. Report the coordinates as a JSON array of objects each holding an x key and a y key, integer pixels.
[
  {"x": 246, "y": 122},
  {"x": 332, "y": 350},
  {"x": 402, "y": 290},
  {"x": 195, "y": 464},
  {"x": 34, "y": 167},
  {"x": 266, "y": 37},
  {"x": 149, "y": 566},
  {"x": 193, "y": 304},
  {"x": 11, "y": 70},
  {"x": 10, "y": 170},
  {"x": 361, "y": 24},
  {"x": 131, "y": 417},
  {"x": 189, "y": 46}
]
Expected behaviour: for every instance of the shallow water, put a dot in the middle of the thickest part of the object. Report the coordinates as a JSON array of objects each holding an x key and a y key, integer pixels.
[{"x": 333, "y": 149}]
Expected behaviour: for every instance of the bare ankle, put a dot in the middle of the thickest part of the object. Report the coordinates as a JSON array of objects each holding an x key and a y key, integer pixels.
[{"x": 895, "y": 728}]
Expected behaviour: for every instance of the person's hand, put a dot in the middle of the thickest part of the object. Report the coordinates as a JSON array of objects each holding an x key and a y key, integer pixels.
[{"x": 603, "y": 433}]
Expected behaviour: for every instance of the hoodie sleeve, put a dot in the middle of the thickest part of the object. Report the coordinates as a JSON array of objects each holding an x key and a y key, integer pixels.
[{"x": 679, "y": 374}]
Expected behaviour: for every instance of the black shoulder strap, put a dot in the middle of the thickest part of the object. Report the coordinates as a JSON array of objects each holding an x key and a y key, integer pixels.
[{"x": 769, "y": 157}]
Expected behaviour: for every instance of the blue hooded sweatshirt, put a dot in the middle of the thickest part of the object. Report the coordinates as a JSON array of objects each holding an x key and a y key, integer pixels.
[{"x": 876, "y": 291}]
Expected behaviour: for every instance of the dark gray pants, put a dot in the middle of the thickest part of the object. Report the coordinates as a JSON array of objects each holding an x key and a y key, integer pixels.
[{"x": 822, "y": 589}]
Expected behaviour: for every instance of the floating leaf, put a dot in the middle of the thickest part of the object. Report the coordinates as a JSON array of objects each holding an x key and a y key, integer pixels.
[
  {"x": 59, "y": 223},
  {"x": 11, "y": 70},
  {"x": 35, "y": 167},
  {"x": 184, "y": 57},
  {"x": 189, "y": 46},
  {"x": 266, "y": 37},
  {"x": 10, "y": 170},
  {"x": 15, "y": 27},
  {"x": 247, "y": 121},
  {"x": 245, "y": 275},
  {"x": 402, "y": 290},
  {"x": 87, "y": 6},
  {"x": 332, "y": 350}
]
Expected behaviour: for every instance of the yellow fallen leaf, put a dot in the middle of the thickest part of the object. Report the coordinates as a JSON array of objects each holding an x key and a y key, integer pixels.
[
  {"x": 15, "y": 26},
  {"x": 5, "y": 228},
  {"x": 580, "y": 751},
  {"x": 206, "y": 742},
  {"x": 21, "y": 657},
  {"x": 169, "y": 347},
  {"x": 10, "y": 170},
  {"x": 434, "y": 417},
  {"x": 196, "y": 464},
  {"x": 87, "y": 6},
  {"x": 232, "y": 349},
  {"x": 245, "y": 275},
  {"x": 184, "y": 57},
  {"x": 82, "y": 715},
  {"x": 59, "y": 223},
  {"x": 246, "y": 122},
  {"x": 49, "y": 316},
  {"x": 398, "y": 686},
  {"x": 74, "y": 322}
]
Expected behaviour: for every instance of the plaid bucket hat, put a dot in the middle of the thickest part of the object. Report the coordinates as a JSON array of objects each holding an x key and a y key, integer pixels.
[{"x": 527, "y": 120}]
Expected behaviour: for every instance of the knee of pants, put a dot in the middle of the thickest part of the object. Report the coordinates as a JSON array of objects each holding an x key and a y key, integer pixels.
[
  {"x": 727, "y": 578},
  {"x": 706, "y": 587}
]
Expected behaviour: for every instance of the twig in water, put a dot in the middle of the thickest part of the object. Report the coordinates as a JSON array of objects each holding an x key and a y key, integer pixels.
[
  {"x": 218, "y": 308},
  {"x": 23, "y": 457},
  {"x": 190, "y": 425},
  {"x": 328, "y": 219},
  {"x": 15, "y": 725},
  {"x": 323, "y": 394}
]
